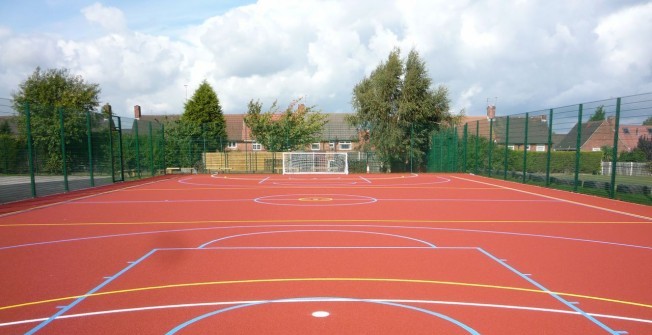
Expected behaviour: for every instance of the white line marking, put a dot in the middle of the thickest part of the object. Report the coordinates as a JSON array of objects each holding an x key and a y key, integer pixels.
[
  {"x": 558, "y": 199},
  {"x": 434, "y": 302}
]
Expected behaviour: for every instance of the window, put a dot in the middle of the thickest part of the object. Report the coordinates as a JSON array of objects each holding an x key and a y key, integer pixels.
[
  {"x": 232, "y": 145},
  {"x": 315, "y": 146},
  {"x": 541, "y": 148},
  {"x": 256, "y": 146},
  {"x": 331, "y": 145},
  {"x": 345, "y": 145},
  {"x": 626, "y": 130},
  {"x": 510, "y": 147}
]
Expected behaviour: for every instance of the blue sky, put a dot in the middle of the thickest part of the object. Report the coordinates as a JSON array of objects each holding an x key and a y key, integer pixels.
[
  {"x": 543, "y": 54},
  {"x": 64, "y": 16}
]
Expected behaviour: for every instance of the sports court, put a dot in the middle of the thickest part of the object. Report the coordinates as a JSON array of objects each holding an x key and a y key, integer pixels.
[{"x": 325, "y": 254}]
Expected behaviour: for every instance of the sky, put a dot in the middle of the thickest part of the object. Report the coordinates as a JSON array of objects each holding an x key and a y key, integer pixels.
[{"x": 521, "y": 55}]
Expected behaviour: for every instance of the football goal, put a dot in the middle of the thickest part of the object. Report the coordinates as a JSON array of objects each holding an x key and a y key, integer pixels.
[{"x": 315, "y": 163}]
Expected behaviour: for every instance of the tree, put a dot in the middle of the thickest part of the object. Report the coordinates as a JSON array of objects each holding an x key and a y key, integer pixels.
[
  {"x": 49, "y": 94},
  {"x": 204, "y": 118},
  {"x": 648, "y": 121},
  {"x": 5, "y": 128},
  {"x": 292, "y": 129},
  {"x": 645, "y": 145},
  {"x": 598, "y": 115},
  {"x": 399, "y": 107}
]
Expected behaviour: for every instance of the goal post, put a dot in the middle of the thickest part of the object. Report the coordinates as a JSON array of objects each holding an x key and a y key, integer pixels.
[{"x": 315, "y": 163}]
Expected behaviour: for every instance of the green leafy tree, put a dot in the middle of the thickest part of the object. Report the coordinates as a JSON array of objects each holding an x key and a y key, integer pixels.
[
  {"x": 648, "y": 121},
  {"x": 645, "y": 145},
  {"x": 5, "y": 128},
  {"x": 292, "y": 129},
  {"x": 400, "y": 108},
  {"x": 598, "y": 115},
  {"x": 201, "y": 128},
  {"x": 203, "y": 116},
  {"x": 48, "y": 94}
]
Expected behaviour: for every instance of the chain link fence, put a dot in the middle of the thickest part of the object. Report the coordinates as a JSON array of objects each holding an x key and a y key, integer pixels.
[
  {"x": 572, "y": 148},
  {"x": 46, "y": 150}
]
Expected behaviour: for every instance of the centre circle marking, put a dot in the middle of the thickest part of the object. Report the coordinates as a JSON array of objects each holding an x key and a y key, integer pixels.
[{"x": 315, "y": 199}]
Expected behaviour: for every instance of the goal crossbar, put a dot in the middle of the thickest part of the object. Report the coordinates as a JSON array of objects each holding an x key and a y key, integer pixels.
[{"x": 315, "y": 163}]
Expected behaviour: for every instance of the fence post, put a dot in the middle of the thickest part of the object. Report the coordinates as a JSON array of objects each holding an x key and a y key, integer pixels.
[
  {"x": 122, "y": 161},
  {"x": 614, "y": 155},
  {"x": 64, "y": 166},
  {"x": 163, "y": 147},
  {"x": 89, "y": 136},
  {"x": 477, "y": 140},
  {"x": 465, "y": 139},
  {"x": 525, "y": 146},
  {"x": 203, "y": 135},
  {"x": 30, "y": 150},
  {"x": 455, "y": 151},
  {"x": 549, "y": 155},
  {"x": 151, "y": 149},
  {"x": 506, "y": 147},
  {"x": 578, "y": 146},
  {"x": 111, "y": 157},
  {"x": 137, "y": 148},
  {"x": 491, "y": 146},
  {"x": 411, "y": 144}
]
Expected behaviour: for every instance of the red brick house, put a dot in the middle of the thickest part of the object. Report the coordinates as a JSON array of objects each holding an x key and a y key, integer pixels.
[{"x": 598, "y": 134}]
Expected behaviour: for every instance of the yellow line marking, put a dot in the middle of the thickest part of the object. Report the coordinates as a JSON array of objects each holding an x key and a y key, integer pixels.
[
  {"x": 313, "y": 221},
  {"x": 559, "y": 199},
  {"x": 290, "y": 280}
]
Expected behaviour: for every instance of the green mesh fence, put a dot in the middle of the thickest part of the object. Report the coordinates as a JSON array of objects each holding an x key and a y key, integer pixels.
[
  {"x": 602, "y": 148},
  {"x": 46, "y": 150}
]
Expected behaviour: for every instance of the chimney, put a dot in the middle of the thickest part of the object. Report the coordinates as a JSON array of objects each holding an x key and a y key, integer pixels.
[
  {"x": 491, "y": 112},
  {"x": 137, "y": 112}
]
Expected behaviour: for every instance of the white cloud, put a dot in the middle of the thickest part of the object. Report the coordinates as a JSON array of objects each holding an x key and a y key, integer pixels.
[
  {"x": 539, "y": 56},
  {"x": 465, "y": 98},
  {"x": 620, "y": 40},
  {"x": 110, "y": 18}
]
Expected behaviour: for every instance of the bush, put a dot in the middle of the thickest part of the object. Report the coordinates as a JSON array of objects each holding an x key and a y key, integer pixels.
[
  {"x": 632, "y": 189},
  {"x": 600, "y": 185}
]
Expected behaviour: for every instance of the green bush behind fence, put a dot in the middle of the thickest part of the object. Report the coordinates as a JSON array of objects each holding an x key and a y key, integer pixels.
[{"x": 602, "y": 148}]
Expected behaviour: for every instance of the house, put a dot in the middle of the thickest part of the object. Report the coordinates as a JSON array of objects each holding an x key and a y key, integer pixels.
[
  {"x": 598, "y": 134},
  {"x": 514, "y": 136},
  {"x": 336, "y": 135}
]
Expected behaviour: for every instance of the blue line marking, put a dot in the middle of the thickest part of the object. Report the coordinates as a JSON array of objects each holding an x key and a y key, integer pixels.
[
  {"x": 324, "y": 225},
  {"x": 544, "y": 289},
  {"x": 81, "y": 298},
  {"x": 314, "y": 230},
  {"x": 422, "y": 310}
]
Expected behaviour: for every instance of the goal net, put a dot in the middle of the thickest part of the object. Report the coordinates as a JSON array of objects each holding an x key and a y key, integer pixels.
[{"x": 315, "y": 163}]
